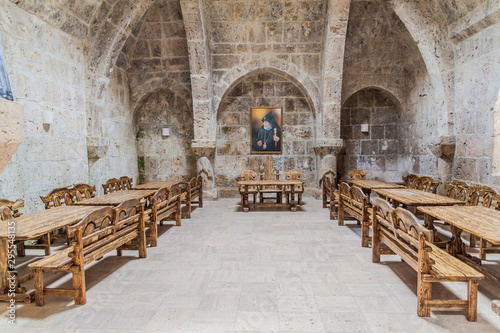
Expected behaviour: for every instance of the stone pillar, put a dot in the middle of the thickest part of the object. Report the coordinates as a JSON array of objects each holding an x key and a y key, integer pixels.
[
  {"x": 326, "y": 158},
  {"x": 205, "y": 154},
  {"x": 444, "y": 149},
  {"x": 11, "y": 130}
]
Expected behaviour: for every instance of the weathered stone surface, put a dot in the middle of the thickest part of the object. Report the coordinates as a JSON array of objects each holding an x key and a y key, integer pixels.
[{"x": 11, "y": 130}]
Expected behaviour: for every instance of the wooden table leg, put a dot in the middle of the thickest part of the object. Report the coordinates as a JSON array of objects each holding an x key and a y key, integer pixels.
[
  {"x": 293, "y": 204},
  {"x": 246, "y": 206},
  {"x": 429, "y": 224},
  {"x": 4, "y": 271},
  {"x": 457, "y": 248}
]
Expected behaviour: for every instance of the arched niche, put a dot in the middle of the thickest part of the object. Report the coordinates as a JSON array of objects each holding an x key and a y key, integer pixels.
[
  {"x": 264, "y": 87},
  {"x": 375, "y": 148},
  {"x": 164, "y": 157}
]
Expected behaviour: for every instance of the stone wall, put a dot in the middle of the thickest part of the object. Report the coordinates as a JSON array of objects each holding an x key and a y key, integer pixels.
[
  {"x": 252, "y": 31},
  {"x": 161, "y": 157},
  {"x": 46, "y": 71},
  {"x": 118, "y": 130},
  {"x": 233, "y": 130},
  {"x": 477, "y": 80},
  {"x": 375, "y": 151},
  {"x": 379, "y": 51}
]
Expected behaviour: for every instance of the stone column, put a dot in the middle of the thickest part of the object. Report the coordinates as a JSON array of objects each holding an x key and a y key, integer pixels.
[
  {"x": 205, "y": 154},
  {"x": 326, "y": 158},
  {"x": 444, "y": 149}
]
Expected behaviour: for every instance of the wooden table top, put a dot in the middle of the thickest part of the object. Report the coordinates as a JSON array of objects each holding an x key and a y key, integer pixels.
[
  {"x": 372, "y": 184},
  {"x": 412, "y": 197},
  {"x": 270, "y": 182},
  {"x": 116, "y": 198},
  {"x": 32, "y": 226},
  {"x": 480, "y": 221},
  {"x": 156, "y": 185}
]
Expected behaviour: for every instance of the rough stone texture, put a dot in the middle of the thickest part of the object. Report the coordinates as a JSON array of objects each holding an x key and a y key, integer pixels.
[
  {"x": 164, "y": 158},
  {"x": 46, "y": 70},
  {"x": 379, "y": 51},
  {"x": 375, "y": 152},
  {"x": 233, "y": 131},
  {"x": 118, "y": 147},
  {"x": 11, "y": 130},
  {"x": 477, "y": 77}
]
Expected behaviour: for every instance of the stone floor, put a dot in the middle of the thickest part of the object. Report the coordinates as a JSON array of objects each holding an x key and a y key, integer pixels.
[{"x": 262, "y": 271}]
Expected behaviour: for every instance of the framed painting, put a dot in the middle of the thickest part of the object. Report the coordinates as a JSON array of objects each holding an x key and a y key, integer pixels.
[{"x": 266, "y": 125}]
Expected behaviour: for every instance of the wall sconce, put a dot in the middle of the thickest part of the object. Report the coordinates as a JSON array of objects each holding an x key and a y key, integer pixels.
[
  {"x": 165, "y": 131},
  {"x": 47, "y": 117},
  {"x": 364, "y": 128}
]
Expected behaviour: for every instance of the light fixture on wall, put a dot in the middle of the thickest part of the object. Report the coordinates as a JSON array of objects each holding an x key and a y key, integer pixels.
[
  {"x": 47, "y": 117},
  {"x": 364, "y": 128},
  {"x": 165, "y": 131}
]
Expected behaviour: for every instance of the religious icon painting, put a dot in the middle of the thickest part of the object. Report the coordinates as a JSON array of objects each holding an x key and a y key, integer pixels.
[{"x": 266, "y": 130}]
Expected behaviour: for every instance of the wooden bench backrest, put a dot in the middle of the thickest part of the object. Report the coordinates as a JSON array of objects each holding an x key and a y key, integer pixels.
[
  {"x": 196, "y": 185},
  {"x": 354, "y": 200},
  {"x": 126, "y": 182},
  {"x": 113, "y": 184},
  {"x": 103, "y": 230},
  {"x": 10, "y": 209},
  {"x": 165, "y": 201},
  {"x": 84, "y": 192},
  {"x": 58, "y": 197},
  {"x": 248, "y": 175},
  {"x": 409, "y": 180},
  {"x": 294, "y": 175},
  {"x": 357, "y": 174},
  {"x": 269, "y": 172},
  {"x": 426, "y": 184}
]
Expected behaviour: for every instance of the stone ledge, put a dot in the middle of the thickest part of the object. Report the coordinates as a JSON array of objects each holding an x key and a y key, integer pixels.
[
  {"x": 328, "y": 147},
  {"x": 444, "y": 147},
  {"x": 203, "y": 148},
  {"x": 11, "y": 130}
]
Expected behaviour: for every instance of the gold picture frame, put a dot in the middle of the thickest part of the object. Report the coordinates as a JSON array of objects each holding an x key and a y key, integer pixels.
[{"x": 266, "y": 130}]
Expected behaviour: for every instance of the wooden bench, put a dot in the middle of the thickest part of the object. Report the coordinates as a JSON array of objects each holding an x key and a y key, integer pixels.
[
  {"x": 165, "y": 206},
  {"x": 114, "y": 185},
  {"x": 252, "y": 190},
  {"x": 330, "y": 197},
  {"x": 400, "y": 231},
  {"x": 270, "y": 174},
  {"x": 83, "y": 192},
  {"x": 299, "y": 190},
  {"x": 9, "y": 210},
  {"x": 355, "y": 203},
  {"x": 100, "y": 232},
  {"x": 194, "y": 190}
]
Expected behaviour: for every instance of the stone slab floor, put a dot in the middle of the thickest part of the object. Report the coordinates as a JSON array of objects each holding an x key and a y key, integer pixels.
[{"x": 264, "y": 271}]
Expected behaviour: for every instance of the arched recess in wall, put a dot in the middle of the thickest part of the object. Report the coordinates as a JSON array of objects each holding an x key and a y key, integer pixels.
[
  {"x": 369, "y": 126},
  {"x": 164, "y": 157},
  {"x": 264, "y": 87}
]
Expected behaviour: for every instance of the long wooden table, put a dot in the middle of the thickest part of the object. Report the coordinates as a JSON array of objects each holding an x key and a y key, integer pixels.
[
  {"x": 116, "y": 198},
  {"x": 156, "y": 185},
  {"x": 479, "y": 221},
  {"x": 371, "y": 184},
  {"x": 280, "y": 183},
  {"x": 412, "y": 197},
  {"x": 33, "y": 226}
]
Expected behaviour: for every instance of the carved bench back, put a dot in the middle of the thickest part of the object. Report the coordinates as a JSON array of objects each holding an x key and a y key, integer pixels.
[
  {"x": 357, "y": 174},
  {"x": 409, "y": 180},
  {"x": 427, "y": 184},
  {"x": 114, "y": 185},
  {"x": 10, "y": 209},
  {"x": 126, "y": 182},
  {"x": 58, "y": 197},
  {"x": 84, "y": 192}
]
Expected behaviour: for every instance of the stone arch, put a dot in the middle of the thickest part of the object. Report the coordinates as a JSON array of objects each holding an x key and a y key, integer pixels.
[
  {"x": 392, "y": 94},
  {"x": 438, "y": 56},
  {"x": 386, "y": 92},
  {"x": 271, "y": 64},
  {"x": 160, "y": 83},
  {"x": 104, "y": 50},
  {"x": 164, "y": 157},
  {"x": 264, "y": 87},
  {"x": 377, "y": 150}
]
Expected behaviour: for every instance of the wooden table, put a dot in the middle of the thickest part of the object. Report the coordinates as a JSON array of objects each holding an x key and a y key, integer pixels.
[
  {"x": 116, "y": 198},
  {"x": 33, "y": 226},
  {"x": 156, "y": 185},
  {"x": 279, "y": 183},
  {"x": 412, "y": 197},
  {"x": 476, "y": 220},
  {"x": 371, "y": 184}
]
